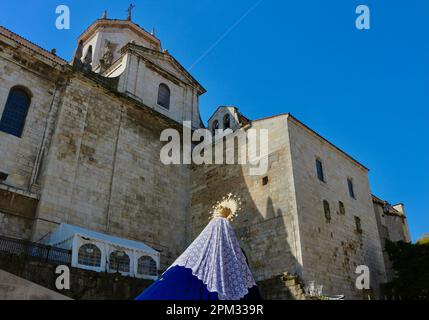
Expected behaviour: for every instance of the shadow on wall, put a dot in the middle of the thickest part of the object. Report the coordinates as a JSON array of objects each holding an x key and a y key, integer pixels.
[{"x": 266, "y": 224}]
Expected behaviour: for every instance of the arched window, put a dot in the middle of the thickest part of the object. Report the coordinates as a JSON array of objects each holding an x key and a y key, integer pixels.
[
  {"x": 15, "y": 111},
  {"x": 119, "y": 261},
  {"x": 164, "y": 96},
  {"x": 147, "y": 266},
  {"x": 327, "y": 210},
  {"x": 227, "y": 122},
  {"x": 89, "y": 255},
  {"x": 215, "y": 127}
]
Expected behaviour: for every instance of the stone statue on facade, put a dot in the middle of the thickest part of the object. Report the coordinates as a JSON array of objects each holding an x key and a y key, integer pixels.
[
  {"x": 107, "y": 58},
  {"x": 130, "y": 11},
  {"x": 108, "y": 52}
]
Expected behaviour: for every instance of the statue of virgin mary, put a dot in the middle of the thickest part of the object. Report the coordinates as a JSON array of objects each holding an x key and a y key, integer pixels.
[{"x": 213, "y": 267}]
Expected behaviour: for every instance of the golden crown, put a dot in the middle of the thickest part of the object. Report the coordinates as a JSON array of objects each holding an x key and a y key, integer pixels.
[{"x": 227, "y": 208}]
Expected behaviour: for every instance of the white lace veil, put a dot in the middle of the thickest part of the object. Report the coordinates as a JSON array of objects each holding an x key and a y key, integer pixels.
[{"x": 215, "y": 257}]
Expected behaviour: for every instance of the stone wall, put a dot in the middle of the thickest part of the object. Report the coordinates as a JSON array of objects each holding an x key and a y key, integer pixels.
[
  {"x": 145, "y": 71},
  {"x": 91, "y": 156},
  {"x": 282, "y": 287},
  {"x": 397, "y": 228},
  {"x": 18, "y": 155},
  {"x": 16, "y": 288},
  {"x": 331, "y": 250},
  {"x": 21, "y": 157},
  {"x": 283, "y": 227},
  {"x": 103, "y": 171},
  {"x": 392, "y": 225},
  {"x": 84, "y": 285},
  {"x": 17, "y": 210},
  {"x": 266, "y": 226}
]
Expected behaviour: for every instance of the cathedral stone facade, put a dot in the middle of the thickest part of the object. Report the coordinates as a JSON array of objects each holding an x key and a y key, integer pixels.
[{"x": 80, "y": 144}]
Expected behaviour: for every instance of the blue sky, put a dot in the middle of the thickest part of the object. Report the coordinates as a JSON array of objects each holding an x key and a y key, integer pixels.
[{"x": 366, "y": 91}]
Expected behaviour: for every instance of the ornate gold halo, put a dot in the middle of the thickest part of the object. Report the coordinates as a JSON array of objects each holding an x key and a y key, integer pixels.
[{"x": 227, "y": 208}]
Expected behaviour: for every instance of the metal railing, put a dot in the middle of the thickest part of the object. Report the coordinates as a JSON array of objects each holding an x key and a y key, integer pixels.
[{"x": 35, "y": 250}]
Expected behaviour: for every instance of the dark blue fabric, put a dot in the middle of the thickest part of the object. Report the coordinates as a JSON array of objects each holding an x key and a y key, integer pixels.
[{"x": 178, "y": 283}]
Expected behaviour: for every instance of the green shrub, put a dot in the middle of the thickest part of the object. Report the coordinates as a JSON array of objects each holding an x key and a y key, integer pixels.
[{"x": 411, "y": 265}]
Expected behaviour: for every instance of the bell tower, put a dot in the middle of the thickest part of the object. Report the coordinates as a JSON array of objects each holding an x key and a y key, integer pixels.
[
  {"x": 122, "y": 50},
  {"x": 100, "y": 44}
]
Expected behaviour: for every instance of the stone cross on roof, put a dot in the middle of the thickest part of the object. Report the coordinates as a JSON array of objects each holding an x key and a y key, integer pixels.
[{"x": 130, "y": 11}]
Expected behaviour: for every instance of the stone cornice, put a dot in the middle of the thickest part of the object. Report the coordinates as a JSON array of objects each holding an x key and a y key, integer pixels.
[
  {"x": 316, "y": 135},
  {"x": 31, "y": 46},
  {"x": 121, "y": 24},
  {"x": 140, "y": 50}
]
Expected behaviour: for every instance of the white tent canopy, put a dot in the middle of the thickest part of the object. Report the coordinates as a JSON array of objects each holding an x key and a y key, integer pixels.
[{"x": 100, "y": 252}]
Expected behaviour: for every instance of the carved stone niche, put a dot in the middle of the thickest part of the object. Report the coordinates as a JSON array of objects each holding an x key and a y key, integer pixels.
[{"x": 107, "y": 58}]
